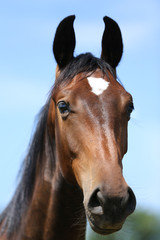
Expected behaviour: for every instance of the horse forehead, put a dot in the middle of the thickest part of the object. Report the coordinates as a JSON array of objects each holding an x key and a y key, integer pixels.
[{"x": 91, "y": 86}]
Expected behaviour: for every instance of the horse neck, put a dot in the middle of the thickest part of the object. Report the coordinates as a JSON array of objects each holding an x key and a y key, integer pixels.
[
  {"x": 56, "y": 211},
  {"x": 66, "y": 217}
]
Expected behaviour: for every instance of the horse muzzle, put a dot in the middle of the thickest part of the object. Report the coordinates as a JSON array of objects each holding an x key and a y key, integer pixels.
[{"x": 106, "y": 214}]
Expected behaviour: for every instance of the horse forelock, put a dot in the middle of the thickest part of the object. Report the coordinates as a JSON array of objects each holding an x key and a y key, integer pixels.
[{"x": 83, "y": 63}]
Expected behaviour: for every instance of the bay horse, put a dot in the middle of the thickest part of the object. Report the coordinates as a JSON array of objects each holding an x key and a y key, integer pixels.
[{"x": 73, "y": 169}]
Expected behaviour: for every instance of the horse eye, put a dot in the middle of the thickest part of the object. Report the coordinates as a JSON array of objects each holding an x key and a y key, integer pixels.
[
  {"x": 130, "y": 108},
  {"x": 63, "y": 108}
]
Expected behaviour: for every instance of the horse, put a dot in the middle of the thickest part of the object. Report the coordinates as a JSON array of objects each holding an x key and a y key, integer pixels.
[{"x": 73, "y": 169}]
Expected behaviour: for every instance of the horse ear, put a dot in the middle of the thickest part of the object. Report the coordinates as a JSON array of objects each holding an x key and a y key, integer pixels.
[
  {"x": 64, "y": 42},
  {"x": 112, "y": 45}
]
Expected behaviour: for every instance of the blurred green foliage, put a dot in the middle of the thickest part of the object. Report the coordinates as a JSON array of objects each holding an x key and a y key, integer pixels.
[{"x": 139, "y": 226}]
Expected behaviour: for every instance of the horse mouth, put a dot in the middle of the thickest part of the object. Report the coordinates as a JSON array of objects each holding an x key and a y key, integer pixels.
[{"x": 105, "y": 229}]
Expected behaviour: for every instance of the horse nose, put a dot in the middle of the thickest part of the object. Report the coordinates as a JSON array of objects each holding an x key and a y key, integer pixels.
[{"x": 115, "y": 208}]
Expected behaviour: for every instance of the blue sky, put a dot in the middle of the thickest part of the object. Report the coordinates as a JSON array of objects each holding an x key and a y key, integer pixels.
[{"x": 27, "y": 69}]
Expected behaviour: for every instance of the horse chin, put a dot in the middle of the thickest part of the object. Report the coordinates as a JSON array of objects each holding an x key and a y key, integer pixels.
[
  {"x": 102, "y": 227},
  {"x": 103, "y": 231}
]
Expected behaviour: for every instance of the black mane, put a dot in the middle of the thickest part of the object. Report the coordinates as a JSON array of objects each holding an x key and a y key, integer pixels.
[{"x": 12, "y": 215}]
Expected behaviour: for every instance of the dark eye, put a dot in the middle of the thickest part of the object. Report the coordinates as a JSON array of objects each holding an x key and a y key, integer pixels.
[
  {"x": 64, "y": 109},
  {"x": 130, "y": 109}
]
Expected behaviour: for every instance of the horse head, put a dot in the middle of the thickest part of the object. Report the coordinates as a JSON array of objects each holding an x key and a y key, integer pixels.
[{"x": 91, "y": 114}]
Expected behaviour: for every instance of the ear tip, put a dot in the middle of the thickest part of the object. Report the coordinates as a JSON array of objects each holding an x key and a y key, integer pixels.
[
  {"x": 67, "y": 20},
  {"x": 105, "y": 18},
  {"x": 70, "y": 18},
  {"x": 110, "y": 21},
  {"x": 73, "y": 16}
]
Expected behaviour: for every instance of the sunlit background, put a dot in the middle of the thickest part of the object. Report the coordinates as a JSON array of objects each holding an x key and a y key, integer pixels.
[{"x": 27, "y": 69}]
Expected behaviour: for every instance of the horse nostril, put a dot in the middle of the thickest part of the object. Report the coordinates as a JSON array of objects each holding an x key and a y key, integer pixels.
[
  {"x": 95, "y": 204},
  {"x": 131, "y": 201},
  {"x": 116, "y": 206}
]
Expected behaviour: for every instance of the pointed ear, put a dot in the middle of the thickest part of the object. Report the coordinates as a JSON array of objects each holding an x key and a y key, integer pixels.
[
  {"x": 112, "y": 45},
  {"x": 64, "y": 42}
]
